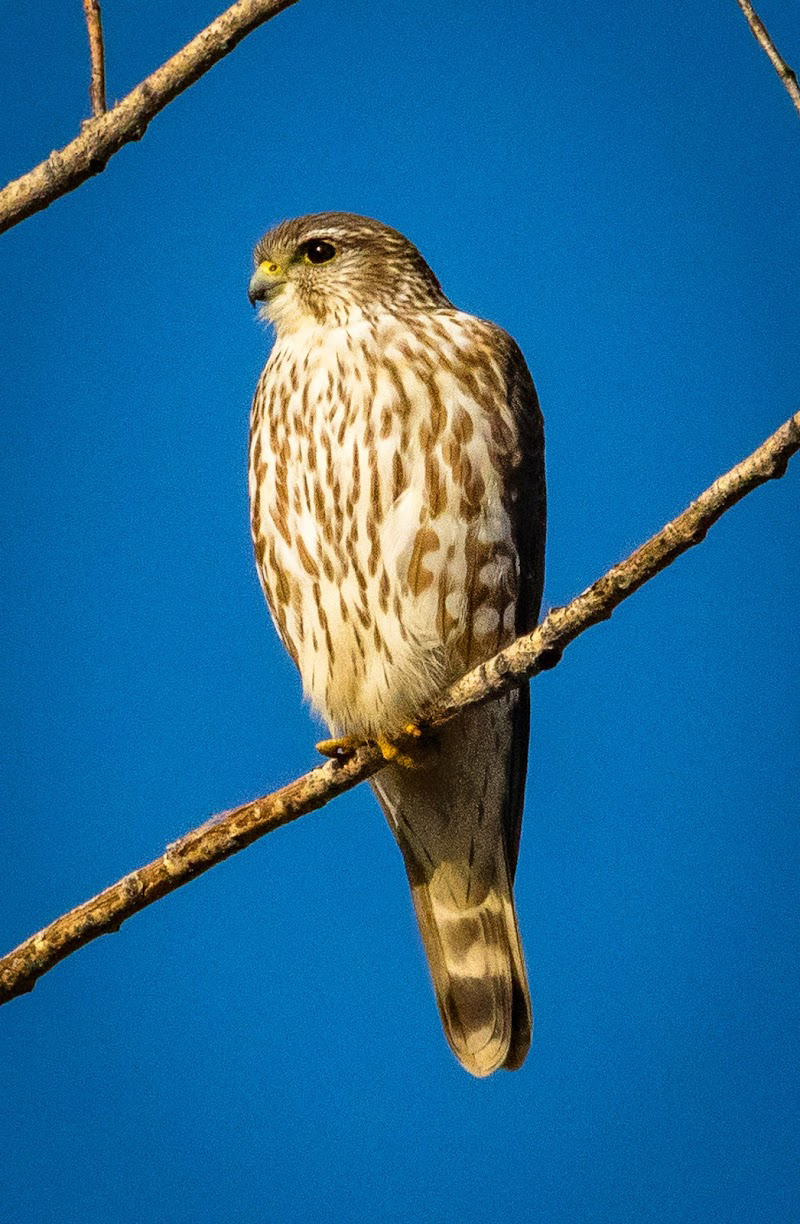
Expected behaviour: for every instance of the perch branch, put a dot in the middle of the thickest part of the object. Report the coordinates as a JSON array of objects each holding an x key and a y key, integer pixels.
[
  {"x": 100, "y": 138},
  {"x": 761, "y": 35},
  {"x": 231, "y": 831},
  {"x": 97, "y": 57}
]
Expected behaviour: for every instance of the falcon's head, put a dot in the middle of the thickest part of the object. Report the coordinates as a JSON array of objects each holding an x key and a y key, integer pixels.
[{"x": 334, "y": 268}]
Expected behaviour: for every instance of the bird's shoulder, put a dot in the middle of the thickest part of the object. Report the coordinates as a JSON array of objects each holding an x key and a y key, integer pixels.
[{"x": 479, "y": 341}]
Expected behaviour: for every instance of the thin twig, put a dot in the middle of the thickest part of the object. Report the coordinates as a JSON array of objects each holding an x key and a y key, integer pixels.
[
  {"x": 97, "y": 57},
  {"x": 229, "y": 832},
  {"x": 88, "y": 154},
  {"x": 761, "y": 35}
]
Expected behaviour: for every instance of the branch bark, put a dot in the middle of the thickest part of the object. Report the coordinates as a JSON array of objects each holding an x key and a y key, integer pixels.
[
  {"x": 97, "y": 57},
  {"x": 761, "y": 35},
  {"x": 231, "y": 831},
  {"x": 102, "y": 137}
]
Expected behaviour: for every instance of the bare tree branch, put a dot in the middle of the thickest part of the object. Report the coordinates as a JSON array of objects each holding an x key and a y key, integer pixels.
[
  {"x": 230, "y": 832},
  {"x": 102, "y": 137},
  {"x": 761, "y": 35},
  {"x": 97, "y": 57},
  {"x": 542, "y": 649}
]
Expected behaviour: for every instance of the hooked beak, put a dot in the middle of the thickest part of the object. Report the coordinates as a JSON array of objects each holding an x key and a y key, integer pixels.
[{"x": 265, "y": 280}]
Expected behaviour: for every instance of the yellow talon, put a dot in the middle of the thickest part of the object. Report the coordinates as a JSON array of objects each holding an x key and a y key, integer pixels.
[
  {"x": 391, "y": 749},
  {"x": 340, "y": 748},
  {"x": 391, "y": 752}
]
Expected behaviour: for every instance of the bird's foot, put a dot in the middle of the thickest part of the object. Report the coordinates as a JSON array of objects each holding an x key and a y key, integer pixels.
[
  {"x": 340, "y": 749},
  {"x": 405, "y": 748}
]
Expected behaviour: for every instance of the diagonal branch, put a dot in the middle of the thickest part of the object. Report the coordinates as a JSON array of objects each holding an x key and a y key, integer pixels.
[
  {"x": 761, "y": 35},
  {"x": 230, "y": 832},
  {"x": 97, "y": 57},
  {"x": 102, "y": 137}
]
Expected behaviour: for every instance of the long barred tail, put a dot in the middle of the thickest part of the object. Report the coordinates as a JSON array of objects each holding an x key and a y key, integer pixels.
[
  {"x": 456, "y": 823},
  {"x": 478, "y": 973}
]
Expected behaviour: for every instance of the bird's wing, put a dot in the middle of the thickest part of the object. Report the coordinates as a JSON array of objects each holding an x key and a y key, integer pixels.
[
  {"x": 457, "y": 820},
  {"x": 528, "y": 515}
]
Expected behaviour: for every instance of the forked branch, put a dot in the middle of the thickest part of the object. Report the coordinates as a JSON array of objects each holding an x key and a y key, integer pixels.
[
  {"x": 231, "y": 831},
  {"x": 102, "y": 137}
]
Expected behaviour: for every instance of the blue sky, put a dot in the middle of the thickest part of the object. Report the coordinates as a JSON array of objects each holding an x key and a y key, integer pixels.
[{"x": 616, "y": 185}]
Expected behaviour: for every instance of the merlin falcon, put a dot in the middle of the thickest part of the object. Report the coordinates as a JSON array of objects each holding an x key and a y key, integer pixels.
[{"x": 397, "y": 497}]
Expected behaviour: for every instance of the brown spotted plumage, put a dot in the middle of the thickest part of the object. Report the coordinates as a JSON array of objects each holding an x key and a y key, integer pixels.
[{"x": 398, "y": 514}]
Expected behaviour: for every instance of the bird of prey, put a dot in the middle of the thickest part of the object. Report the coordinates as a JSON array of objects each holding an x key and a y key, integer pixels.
[{"x": 397, "y": 497}]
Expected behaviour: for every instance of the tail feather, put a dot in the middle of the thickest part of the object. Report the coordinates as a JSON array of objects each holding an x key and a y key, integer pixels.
[
  {"x": 453, "y": 822},
  {"x": 479, "y": 977}
]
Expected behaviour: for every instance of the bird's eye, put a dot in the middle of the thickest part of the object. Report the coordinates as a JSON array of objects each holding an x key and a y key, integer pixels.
[{"x": 318, "y": 251}]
